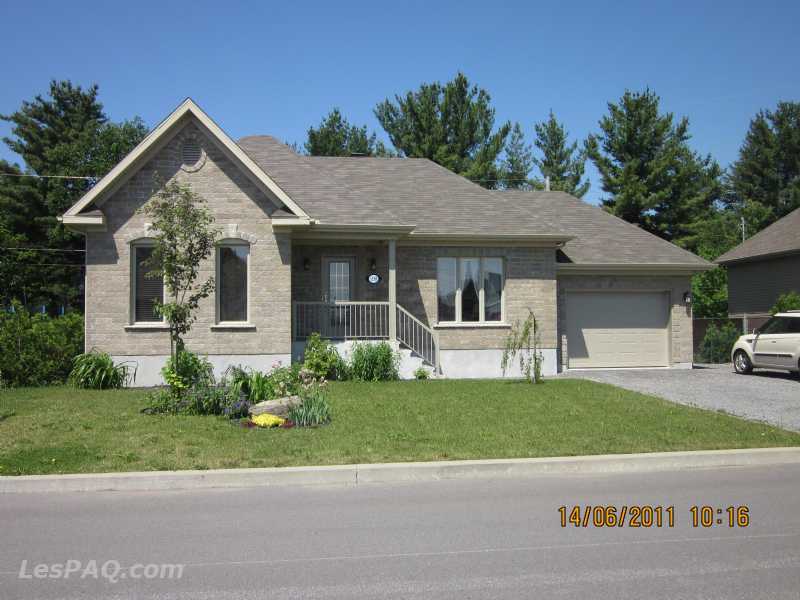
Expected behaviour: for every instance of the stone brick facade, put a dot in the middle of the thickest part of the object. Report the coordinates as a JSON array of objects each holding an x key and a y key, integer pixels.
[
  {"x": 680, "y": 313},
  {"x": 240, "y": 210},
  {"x": 529, "y": 283}
]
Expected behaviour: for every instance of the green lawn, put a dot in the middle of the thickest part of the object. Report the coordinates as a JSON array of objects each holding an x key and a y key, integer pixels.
[{"x": 61, "y": 430}]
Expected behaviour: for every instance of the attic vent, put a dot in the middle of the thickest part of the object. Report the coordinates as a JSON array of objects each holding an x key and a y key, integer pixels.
[{"x": 191, "y": 153}]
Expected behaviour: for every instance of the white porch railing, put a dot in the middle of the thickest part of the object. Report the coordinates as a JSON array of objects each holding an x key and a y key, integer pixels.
[
  {"x": 364, "y": 321},
  {"x": 417, "y": 336},
  {"x": 341, "y": 320}
]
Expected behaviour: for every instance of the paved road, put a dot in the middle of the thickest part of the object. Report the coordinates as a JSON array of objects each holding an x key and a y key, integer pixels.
[
  {"x": 769, "y": 396},
  {"x": 450, "y": 539}
]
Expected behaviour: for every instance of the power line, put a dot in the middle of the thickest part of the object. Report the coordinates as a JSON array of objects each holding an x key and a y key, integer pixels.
[
  {"x": 42, "y": 249},
  {"x": 48, "y": 176},
  {"x": 51, "y": 265}
]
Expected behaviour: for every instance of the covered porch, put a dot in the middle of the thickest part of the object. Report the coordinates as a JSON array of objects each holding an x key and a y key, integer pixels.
[{"x": 347, "y": 290}]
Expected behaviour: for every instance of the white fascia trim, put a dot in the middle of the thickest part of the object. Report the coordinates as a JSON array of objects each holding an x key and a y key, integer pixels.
[
  {"x": 188, "y": 106},
  {"x": 634, "y": 268},
  {"x": 84, "y": 223}
]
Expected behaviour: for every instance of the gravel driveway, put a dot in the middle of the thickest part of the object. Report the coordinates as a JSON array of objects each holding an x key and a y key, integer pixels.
[{"x": 770, "y": 396}]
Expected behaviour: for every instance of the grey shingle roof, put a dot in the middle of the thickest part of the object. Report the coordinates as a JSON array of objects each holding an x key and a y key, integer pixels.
[
  {"x": 781, "y": 237},
  {"x": 420, "y": 193},
  {"x": 389, "y": 191},
  {"x": 600, "y": 237}
]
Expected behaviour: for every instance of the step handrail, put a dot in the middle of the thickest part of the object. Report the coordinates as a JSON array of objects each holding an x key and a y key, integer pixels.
[{"x": 417, "y": 336}]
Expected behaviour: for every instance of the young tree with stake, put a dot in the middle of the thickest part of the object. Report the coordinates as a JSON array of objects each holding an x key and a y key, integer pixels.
[{"x": 183, "y": 237}]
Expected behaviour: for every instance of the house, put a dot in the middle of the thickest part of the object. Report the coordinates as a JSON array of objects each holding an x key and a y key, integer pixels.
[
  {"x": 762, "y": 268},
  {"x": 361, "y": 248}
]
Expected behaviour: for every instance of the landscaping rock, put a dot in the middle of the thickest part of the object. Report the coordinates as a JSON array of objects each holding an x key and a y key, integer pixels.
[{"x": 278, "y": 407}]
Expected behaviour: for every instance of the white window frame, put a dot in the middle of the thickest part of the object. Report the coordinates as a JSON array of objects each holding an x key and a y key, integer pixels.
[
  {"x": 481, "y": 295},
  {"x": 133, "y": 277},
  {"x": 229, "y": 243}
]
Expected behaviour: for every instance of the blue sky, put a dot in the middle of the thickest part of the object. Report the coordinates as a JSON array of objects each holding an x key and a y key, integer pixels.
[{"x": 262, "y": 67}]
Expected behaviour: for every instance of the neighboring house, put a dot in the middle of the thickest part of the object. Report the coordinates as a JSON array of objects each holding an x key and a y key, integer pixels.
[
  {"x": 377, "y": 248},
  {"x": 762, "y": 268}
]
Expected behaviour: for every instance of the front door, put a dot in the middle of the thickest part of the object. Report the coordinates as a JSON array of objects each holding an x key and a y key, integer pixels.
[{"x": 339, "y": 284}]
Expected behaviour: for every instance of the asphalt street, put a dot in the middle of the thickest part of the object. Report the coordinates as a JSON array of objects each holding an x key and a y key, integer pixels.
[{"x": 446, "y": 539}]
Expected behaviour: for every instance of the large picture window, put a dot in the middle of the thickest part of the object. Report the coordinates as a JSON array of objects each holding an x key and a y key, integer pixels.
[
  {"x": 469, "y": 290},
  {"x": 147, "y": 289},
  {"x": 232, "y": 282}
]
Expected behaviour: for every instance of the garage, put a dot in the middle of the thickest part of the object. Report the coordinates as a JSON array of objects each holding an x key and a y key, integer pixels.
[{"x": 617, "y": 329}]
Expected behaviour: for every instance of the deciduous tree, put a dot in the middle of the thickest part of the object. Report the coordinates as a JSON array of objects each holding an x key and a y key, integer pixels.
[{"x": 183, "y": 237}]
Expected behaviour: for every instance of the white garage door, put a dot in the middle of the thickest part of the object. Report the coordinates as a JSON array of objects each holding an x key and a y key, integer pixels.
[{"x": 617, "y": 329}]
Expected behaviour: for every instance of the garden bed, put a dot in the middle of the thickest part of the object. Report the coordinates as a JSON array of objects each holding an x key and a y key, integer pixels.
[{"x": 64, "y": 430}]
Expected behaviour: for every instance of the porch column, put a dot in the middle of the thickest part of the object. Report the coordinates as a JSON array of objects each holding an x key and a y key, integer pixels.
[{"x": 392, "y": 291}]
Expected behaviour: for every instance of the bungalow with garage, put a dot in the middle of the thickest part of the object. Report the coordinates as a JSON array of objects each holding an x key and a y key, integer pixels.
[{"x": 360, "y": 248}]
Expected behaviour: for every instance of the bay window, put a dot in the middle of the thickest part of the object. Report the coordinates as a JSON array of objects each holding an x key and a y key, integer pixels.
[{"x": 469, "y": 290}]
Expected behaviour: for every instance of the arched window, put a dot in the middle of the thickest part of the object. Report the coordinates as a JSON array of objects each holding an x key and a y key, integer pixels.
[
  {"x": 233, "y": 259},
  {"x": 146, "y": 286}
]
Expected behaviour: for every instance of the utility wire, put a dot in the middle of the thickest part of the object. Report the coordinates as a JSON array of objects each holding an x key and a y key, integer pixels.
[
  {"x": 42, "y": 249},
  {"x": 52, "y": 265},
  {"x": 48, "y": 176}
]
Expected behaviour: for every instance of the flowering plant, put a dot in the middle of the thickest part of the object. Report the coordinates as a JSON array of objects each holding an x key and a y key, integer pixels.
[{"x": 268, "y": 420}]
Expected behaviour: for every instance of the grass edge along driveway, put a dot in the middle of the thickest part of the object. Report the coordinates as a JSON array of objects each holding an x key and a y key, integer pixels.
[{"x": 63, "y": 430}]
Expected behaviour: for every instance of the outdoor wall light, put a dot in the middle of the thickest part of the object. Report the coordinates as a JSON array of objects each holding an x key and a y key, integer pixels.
[
  {"x": 373, "y": 265},
  {"x": 687, "y": 297},
  {"x": 306, "y": 264}
]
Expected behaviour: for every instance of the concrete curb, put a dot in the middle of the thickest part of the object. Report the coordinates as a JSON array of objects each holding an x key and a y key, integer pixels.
[{"x": 399, "y": 472}]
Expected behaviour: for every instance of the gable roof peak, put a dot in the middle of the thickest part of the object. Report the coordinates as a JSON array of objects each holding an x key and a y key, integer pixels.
[{"x": 136, "y": 157}]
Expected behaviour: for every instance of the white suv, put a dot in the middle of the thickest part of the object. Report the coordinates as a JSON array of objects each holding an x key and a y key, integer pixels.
[{"x": 774, "y": 345}]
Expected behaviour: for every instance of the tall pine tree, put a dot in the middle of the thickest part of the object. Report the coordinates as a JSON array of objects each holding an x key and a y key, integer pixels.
[
  {"x": 562, "y": 162},
  {"x": 335, "y": 136},
  {"x": 653, "y": 177},
  {"x": 452, "y": 124},
  {"x": 64, "y": 134},
  {"x": 518, "y": 162},
  {"x": 767, "y": 173}
]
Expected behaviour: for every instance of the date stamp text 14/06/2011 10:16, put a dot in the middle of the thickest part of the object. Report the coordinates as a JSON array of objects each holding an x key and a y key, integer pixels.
[{"x": 652, "y": 516}]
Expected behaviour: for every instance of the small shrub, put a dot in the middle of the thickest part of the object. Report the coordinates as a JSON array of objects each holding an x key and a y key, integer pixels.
[
  {"x": 313, "y": 410},
  {"x": 202, "y": 399},
  {"x": 96, "y": 370},
  {"x": 717, "y": 343},
  {"x": 164, "y": 402},
  {"x": 260, "y": 387},
  {"x": 286, "y": 380},
  {"x": 38, "y": 349},
  {"x": 786, "y": 302},
  {"x": 238, "y": 379},
  {"x": 374, "y": 362},
  {"x": 421, "y": 373},
  {"x": 322, "y": 359},
  {"x": 188, "y": 370}
]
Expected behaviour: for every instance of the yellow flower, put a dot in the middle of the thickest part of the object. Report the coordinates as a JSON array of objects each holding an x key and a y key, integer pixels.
[{"x": 268, "y": 420}]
